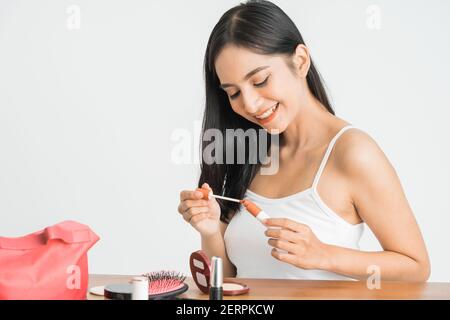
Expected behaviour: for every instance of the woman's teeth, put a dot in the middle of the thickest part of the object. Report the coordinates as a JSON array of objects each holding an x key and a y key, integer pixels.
[{"x": 267, "y": 113}]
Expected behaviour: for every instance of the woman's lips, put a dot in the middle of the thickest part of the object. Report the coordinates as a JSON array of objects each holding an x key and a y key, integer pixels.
[{"x": 269, "y": 118}]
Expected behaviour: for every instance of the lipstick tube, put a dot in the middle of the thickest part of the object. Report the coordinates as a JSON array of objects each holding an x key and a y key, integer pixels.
[{"x": 216, "y": 279}]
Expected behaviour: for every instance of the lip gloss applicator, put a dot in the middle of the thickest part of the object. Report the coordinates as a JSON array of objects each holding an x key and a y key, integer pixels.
[
  {"x": 254, "y": 210},
  {"x": 207, "y": 195}
]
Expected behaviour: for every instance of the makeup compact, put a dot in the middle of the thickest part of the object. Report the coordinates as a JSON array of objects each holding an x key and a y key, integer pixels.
[{"x": 201, "y": 270}]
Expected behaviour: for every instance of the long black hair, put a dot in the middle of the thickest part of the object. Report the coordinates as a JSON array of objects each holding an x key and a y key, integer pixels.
[{"x": 264, "y": 28}]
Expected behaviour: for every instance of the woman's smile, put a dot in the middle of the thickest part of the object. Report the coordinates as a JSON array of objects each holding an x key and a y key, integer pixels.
[{"x": 268, "y": 115}]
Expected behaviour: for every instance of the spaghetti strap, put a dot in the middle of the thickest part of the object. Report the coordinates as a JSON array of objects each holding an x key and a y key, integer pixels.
[{"x": 327, "y": 154}]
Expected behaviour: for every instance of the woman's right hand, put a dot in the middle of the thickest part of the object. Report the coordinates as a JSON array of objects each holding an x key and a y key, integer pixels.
[{"x": 203, "y": 215}]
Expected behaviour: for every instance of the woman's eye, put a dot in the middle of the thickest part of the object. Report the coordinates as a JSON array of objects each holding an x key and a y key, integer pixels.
[
  {"x": 234, "y": 96},
  {"x": 258, "y": 85},
  {"x": 261, "y": 84}
]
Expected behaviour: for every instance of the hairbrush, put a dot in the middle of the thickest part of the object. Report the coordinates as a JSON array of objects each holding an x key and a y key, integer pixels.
[
  {"x": 162, "y": 285},
  {"x": 165, "y": 283}
]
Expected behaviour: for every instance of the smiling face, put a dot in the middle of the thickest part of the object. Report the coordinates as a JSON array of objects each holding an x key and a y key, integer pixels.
[{"x": 265, "y": 89}]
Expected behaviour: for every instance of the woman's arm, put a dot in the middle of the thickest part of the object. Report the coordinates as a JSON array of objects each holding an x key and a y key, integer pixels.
[
  {"x": 381, "y": 203},
  {"x": 214, "y": 245}
]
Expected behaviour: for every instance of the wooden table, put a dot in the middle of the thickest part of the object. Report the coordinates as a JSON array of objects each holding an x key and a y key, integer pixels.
[{"x": 269, "y": 289}]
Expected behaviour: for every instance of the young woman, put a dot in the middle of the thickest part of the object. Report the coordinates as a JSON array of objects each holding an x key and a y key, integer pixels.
[{"x": 332, "y": 178}]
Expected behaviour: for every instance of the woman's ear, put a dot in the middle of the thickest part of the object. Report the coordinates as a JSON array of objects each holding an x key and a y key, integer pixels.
[{"x": 301, "y": 60}]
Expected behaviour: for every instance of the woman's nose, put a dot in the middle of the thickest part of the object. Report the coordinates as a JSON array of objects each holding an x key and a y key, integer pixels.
[{"x": 252, "y": 101}]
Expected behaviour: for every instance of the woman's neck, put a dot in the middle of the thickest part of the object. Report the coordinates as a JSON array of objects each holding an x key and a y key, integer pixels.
[{"x": 310, "y": 128}]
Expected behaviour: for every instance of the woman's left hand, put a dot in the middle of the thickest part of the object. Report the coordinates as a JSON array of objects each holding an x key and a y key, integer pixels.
[{"x": 300, "y": 245}]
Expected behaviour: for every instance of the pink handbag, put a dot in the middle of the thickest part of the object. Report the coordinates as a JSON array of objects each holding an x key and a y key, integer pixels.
[{"x": 48, "y": 264}]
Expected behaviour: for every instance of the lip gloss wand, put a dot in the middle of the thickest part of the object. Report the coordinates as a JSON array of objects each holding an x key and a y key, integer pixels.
[{"x": 254, "y": 210}]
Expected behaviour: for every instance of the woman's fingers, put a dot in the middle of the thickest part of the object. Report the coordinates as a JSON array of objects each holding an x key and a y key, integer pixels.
[
  {"x": 190, "y": 195},
  {"x": 286, "y": 224},
  {"x": 192, "y": 207},
  {"x": 189, "y": 199},
  {"x": 282, "y": 234},
  {"x": 283, "y": 245},
  {"x": 199, "y": 217},
  {"x": 194, "y": 211},
  {"x": 186, "y": 204},
  {"x": 206, "y": 186},
  {"x": 186, "y": 194}
]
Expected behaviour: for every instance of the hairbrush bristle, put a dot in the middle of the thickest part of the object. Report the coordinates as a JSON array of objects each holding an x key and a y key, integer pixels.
[{"x": 164, "y": 281}]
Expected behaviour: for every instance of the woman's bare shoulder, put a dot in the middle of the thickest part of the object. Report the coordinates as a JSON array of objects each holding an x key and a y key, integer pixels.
[{"x": 356, "y": 151}]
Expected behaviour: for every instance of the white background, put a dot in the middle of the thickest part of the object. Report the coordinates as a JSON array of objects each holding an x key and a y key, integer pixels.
[{"x": 87, "y": 115}]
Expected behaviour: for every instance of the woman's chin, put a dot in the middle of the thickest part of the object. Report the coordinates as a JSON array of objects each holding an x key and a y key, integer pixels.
[{"x": 274, "y": 127}]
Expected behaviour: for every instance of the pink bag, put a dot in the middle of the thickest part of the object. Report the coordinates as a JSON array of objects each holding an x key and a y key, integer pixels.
[{"x": 48, "y": 264}]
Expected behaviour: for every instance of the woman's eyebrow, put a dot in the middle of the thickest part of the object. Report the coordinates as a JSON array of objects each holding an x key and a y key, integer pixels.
[{"x": 251, "y": 73}]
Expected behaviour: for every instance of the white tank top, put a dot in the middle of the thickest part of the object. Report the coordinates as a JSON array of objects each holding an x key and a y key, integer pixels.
[{"x": 247, "y": 246}]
